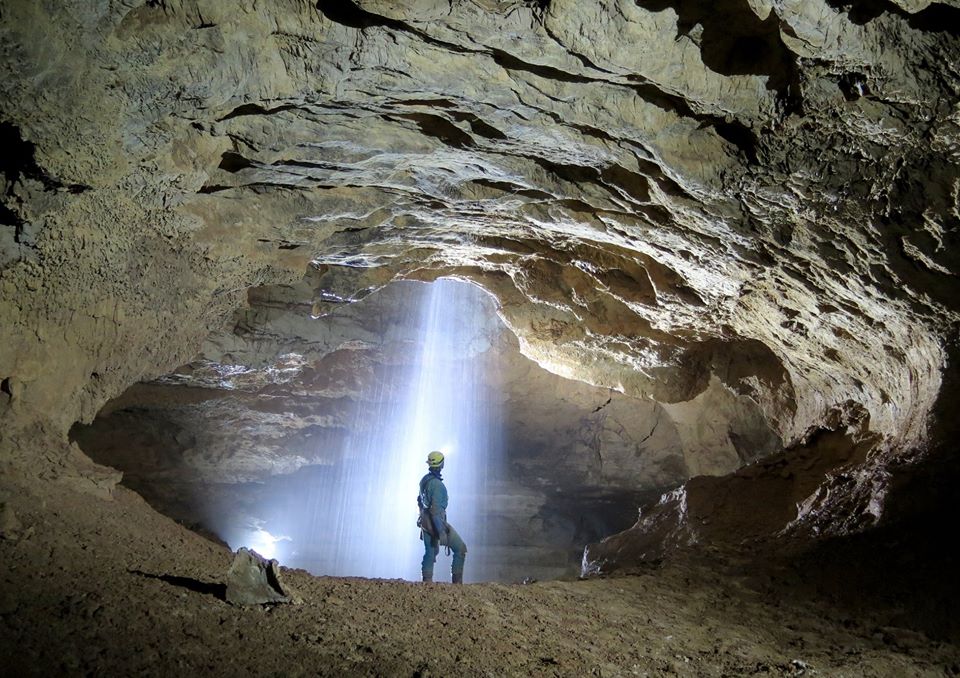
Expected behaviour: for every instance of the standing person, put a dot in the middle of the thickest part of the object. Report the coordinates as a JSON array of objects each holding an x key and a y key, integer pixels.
[{"x": 434, "y": 528}]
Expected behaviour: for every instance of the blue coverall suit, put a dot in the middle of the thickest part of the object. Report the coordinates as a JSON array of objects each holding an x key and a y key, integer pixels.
[{"x": 433, "y": 494}]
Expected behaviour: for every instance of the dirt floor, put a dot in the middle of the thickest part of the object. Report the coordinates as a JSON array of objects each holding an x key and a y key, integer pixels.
[{"x": 94, "y": 587}]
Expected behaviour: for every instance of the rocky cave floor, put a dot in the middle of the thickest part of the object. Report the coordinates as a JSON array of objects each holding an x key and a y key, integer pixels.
[{"x": 110, "y": 587}]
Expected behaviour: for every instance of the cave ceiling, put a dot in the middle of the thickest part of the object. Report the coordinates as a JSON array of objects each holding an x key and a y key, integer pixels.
[{"x": 660, "y": 195}]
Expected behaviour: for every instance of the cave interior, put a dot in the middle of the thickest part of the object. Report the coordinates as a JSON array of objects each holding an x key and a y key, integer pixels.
[{"x": 672, "y": 284}]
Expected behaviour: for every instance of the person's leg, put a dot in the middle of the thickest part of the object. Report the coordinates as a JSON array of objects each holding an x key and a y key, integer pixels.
[
  {"x": 429, "y": 557},
  {"x": 459, "y": 549}
]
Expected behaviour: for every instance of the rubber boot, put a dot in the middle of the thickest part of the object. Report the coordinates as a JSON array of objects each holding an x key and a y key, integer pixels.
[
  {"x": 458, "y": 577},
  {"x": 427, "y": 578}
]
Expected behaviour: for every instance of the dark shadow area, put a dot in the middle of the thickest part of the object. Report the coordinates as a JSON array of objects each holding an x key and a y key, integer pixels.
[
  {"x": 439, "y": 128},
  {"x": 349, "y": 14},
  {"x": 18, "y": 163},
  {"x": 738, "y": 135},
  {"x": 16, "y": 160},
  {"x": 218, "y": 591},
  {"x": 19, "y": 160},
  {"x": 233, "y": 162},
  {"x": 937, "y": 18},
  {"x": 512, "y": 63},
  {"x": 478, "y": 126},
  {"x": 255, "y": 109},
  {"x": 905, "y": 570},
  {"x": 590, "y": 515},
  {"x": 735, "y": 41},
  {"x": 924, "y": 185},
  {"x": 161, "y": 442}
]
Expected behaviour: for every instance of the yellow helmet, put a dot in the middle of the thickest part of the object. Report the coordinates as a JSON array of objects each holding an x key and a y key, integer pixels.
[{"x": 435, "y": 459}]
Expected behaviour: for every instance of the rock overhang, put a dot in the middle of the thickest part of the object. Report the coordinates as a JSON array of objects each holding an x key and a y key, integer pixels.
[
  {"x": 783, "y": 224},
  {"x": 218, "y": 441}
]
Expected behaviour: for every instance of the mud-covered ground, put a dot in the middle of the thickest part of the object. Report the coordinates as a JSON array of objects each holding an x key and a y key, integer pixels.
[{"x": 94, "y": 587}]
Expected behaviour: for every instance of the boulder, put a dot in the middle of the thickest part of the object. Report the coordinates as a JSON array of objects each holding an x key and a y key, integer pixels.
[{"x": 254, "y": 580}]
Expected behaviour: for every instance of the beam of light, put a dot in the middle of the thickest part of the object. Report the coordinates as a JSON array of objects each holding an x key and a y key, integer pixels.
[{"x": 359, "y": 517}]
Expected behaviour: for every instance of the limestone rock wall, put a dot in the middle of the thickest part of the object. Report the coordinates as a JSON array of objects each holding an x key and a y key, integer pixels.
[
  {"x": 750, "y": 505},
  {"x": 282, "y": 397},
  {"x": 282, "y": 389},
  {"x": 669, "y": 199}
]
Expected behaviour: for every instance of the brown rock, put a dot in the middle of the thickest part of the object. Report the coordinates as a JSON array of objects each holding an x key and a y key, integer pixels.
[{"x": 254, "y": 580}]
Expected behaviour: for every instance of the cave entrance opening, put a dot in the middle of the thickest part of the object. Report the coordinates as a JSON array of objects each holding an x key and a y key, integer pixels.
[
  {"x": 356, "y": 517},
  {"x": 304, "y": 438}
]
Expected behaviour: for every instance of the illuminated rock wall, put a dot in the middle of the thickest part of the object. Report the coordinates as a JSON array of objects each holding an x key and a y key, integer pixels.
[{"x": 684, "y": 202}]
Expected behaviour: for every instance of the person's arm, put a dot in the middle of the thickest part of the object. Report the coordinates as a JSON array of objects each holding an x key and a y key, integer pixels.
[{"x": 439, "y": 524}]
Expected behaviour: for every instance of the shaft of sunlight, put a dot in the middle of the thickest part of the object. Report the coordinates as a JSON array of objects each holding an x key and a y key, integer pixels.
[{"x": 359, "y": 517}]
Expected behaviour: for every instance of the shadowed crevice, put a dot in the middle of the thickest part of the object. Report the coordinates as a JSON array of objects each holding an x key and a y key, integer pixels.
[
  {"x": 478, "y": 126},
  {"x": 255, "y": 109},
  {"x": 233, "y": 162},
  {"x": 307, "y": 164},
  {"x": 260, "y": 187},
  {"x": 512, "y": 63},
  {"x": 513, "y": 189},
  {"x": 347, "y": 13},
  {"x": 18, "y": 165},
  {"x": 18, "y": 159},
  {"x": 740, "y": 136},
  {"x": 937, "y": 18},
  {"x": 439, "y": 128},
  {"x": 733, "y": 40},
  {"x": 281, "y": 244}
]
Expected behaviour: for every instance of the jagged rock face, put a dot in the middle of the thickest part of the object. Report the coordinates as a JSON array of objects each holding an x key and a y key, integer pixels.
[
  {"x": 281, "y": 390},
  {"x": 719, "y": 510},
  {"x": 665, "y": 198},
  {"x": 281, "y": 396}
]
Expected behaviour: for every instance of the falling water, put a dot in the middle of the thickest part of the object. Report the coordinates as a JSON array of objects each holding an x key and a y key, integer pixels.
[{"x": 359, "y": 518}]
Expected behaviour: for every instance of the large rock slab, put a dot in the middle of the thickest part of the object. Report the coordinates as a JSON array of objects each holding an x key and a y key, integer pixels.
[{"x": 254, "y": 580}]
